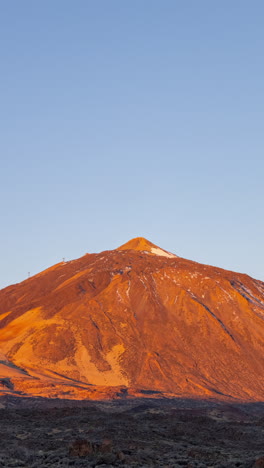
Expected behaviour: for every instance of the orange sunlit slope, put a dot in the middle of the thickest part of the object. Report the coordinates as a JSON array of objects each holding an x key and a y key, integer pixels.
[{"x": 136, "y": 318}]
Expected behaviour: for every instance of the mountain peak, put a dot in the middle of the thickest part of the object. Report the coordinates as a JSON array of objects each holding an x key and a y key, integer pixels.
[
  {"x": 132, "y": 318},
  {"x": 140, "y": 244}
]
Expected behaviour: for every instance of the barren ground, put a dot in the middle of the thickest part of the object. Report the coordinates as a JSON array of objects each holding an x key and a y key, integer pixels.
[{"x": 163, "y": 433}]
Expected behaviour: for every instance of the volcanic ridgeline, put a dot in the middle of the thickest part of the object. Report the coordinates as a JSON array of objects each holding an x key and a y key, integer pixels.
[{"x": 132, "y": 321}]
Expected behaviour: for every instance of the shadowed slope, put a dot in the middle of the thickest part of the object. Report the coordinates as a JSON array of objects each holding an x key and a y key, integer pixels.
[{"x": 138, "y": 318}]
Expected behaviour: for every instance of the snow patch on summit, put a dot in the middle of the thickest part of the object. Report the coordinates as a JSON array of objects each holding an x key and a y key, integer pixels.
[{"x": 162, "y": 253}]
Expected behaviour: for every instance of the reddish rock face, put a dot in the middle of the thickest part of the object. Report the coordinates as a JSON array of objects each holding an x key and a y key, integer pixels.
[{"x": 137, "y": 317}]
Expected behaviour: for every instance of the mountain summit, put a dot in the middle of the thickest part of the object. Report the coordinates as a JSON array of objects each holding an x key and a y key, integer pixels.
[
  {"x": 133, "y": 321},
  {"x": 141, "y": 244}
]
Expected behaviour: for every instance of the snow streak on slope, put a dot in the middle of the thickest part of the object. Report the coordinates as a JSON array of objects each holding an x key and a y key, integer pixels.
[{"x": 162, "y": 253}]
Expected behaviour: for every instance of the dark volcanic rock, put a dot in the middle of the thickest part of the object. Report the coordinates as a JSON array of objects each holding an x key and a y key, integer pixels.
[
  {"x": 259, "y": 463},
  {"x": 112, "y": 435}
]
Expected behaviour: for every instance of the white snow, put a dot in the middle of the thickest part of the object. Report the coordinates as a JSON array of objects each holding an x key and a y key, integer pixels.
[
  {"x": 162, "y": 253},
  {"x": 119, "y": 297},
  {"x": 128, "y": 289}
]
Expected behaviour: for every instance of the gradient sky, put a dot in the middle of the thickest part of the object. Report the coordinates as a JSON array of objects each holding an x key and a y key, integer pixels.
[{"x": 131, "y": 118}]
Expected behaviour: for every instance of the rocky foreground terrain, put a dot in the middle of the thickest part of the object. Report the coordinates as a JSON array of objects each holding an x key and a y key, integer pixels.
[{"x": 158, "y": 433}]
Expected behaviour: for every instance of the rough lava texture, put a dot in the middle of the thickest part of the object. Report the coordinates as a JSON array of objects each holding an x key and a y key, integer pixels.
[{"x": 133, "y": 321}]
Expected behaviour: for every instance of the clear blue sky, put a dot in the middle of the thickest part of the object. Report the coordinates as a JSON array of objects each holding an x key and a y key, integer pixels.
[{"x": 131, "y": 118}]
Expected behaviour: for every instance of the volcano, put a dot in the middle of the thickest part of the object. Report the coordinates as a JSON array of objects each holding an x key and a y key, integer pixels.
[{"x": 133, "y": 321}]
